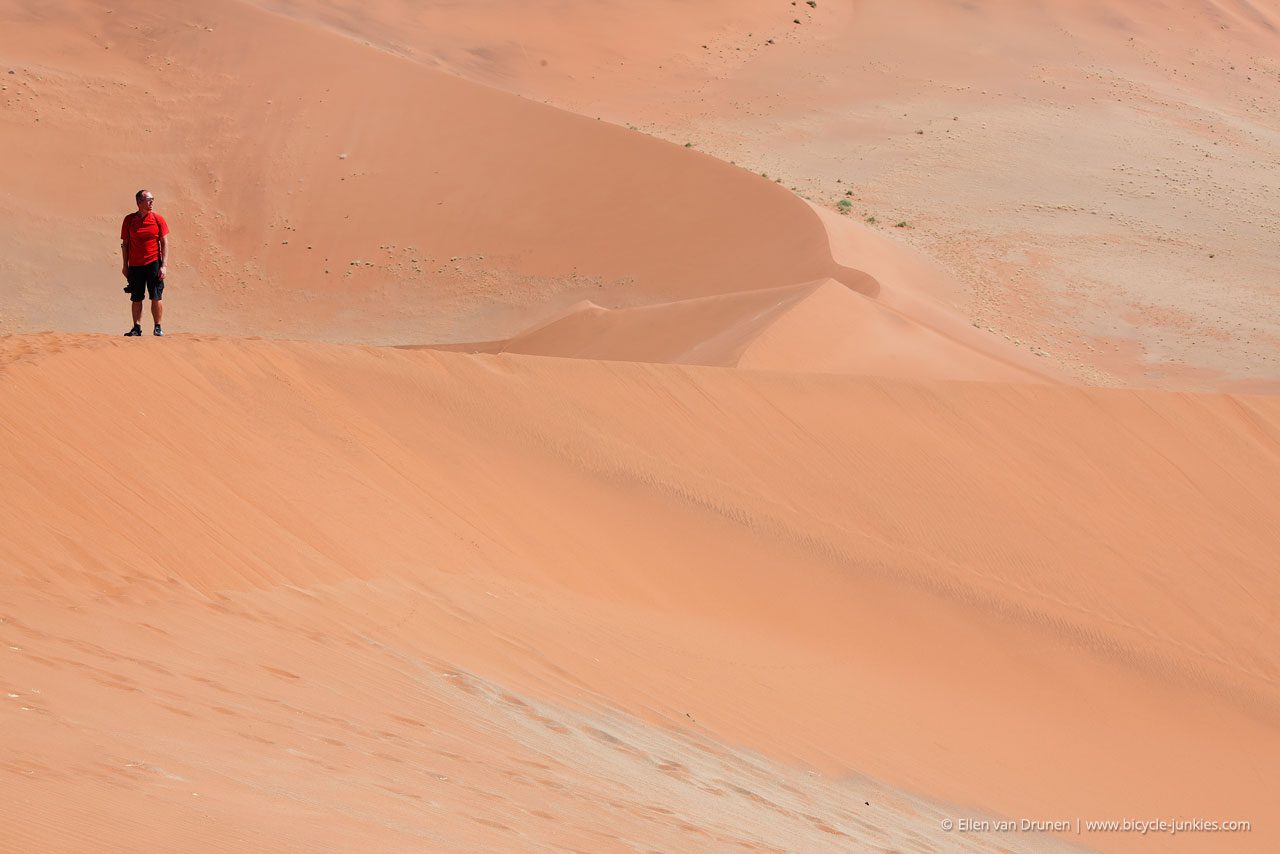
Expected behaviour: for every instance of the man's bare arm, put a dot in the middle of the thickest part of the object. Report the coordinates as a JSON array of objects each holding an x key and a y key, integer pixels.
[
  {"x": 164, "y": 253},
  {"x": 124, "y": 258}
]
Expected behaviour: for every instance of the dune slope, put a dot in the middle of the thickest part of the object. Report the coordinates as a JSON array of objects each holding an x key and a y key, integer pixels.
[
  {"x": 321, "y": 187},
  {"x": 1033, "y": 600}
]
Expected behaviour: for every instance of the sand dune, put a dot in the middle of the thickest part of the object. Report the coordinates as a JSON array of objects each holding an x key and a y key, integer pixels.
[
  {"x": 342, "y": 219},
  {"x": 973, "y": 575},
  {"x": 1099, "y": 174},
  {"x": 747, "y": 523}
]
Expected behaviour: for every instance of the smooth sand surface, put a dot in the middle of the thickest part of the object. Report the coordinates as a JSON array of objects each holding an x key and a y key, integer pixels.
[
  {"x": 960, "y": 589},
  {"x": 534, "y": 481}
]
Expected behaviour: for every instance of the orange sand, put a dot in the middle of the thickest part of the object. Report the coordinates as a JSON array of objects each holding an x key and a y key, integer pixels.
[{"x": 687, "y": 513}]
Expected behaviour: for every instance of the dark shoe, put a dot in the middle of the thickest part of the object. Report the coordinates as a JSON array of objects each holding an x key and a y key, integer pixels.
[
  {"x": 158, "y": 332},
  {"x": 134, "y": 332}
]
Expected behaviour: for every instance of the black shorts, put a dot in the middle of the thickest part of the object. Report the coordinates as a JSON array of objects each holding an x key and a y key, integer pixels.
[{"x": 145, "y": 280}]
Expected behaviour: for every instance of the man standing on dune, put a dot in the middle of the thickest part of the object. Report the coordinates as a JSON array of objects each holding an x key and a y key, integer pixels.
[{"x": 144, "y": 242}]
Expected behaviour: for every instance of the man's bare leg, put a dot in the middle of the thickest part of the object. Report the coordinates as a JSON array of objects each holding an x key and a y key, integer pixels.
[
  {"x": 157, "y": 310},
  {"x": 137, "y": 312}
]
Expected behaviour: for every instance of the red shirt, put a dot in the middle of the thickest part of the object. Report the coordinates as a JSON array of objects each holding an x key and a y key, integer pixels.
[{"x": 142, "y": 234}]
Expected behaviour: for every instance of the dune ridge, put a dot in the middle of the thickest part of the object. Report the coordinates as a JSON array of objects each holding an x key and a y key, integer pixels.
[{"x": 818, "y": 326}]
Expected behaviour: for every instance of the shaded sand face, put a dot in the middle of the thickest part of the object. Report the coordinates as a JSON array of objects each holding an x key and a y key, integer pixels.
[{"x": 533, "y": 483}]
